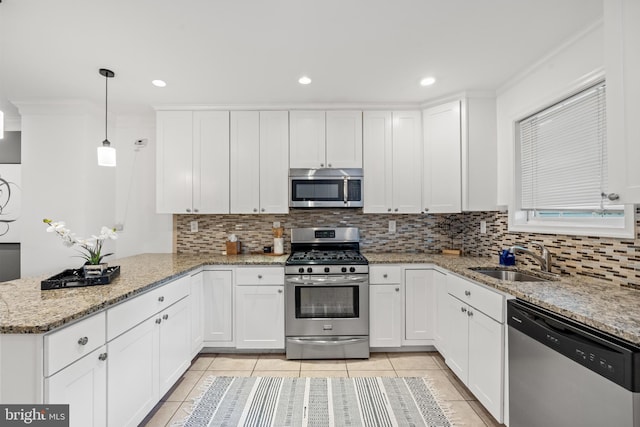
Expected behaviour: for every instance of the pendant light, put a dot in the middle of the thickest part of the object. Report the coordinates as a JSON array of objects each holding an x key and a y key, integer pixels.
[{"x": 106, "y": 153}]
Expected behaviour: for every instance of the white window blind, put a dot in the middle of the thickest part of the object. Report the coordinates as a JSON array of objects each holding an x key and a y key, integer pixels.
[{"x": 563, "y": 154}]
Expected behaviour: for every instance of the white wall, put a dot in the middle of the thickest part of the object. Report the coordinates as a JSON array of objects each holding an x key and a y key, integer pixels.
[
  {"x": 61, "y": 180},
  {"x": 569, "y": 67},
  {"x": 144, "y": 231}
]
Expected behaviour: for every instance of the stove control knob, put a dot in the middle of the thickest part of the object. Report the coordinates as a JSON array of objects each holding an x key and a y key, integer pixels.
[
  {"x": 301, "y": 270},
  {"x": 327, "y": 269},
  {"x": 344, "y": 269},
  {"x": 309, "y": 270},
  {"x": 352, "y": 269}
]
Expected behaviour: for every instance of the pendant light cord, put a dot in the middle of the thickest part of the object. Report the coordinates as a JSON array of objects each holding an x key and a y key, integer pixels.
[{"x": 106, "y": 111}]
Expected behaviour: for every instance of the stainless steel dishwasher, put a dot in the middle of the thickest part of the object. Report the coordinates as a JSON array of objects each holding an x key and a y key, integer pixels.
[{"x": 563, "y": 373}]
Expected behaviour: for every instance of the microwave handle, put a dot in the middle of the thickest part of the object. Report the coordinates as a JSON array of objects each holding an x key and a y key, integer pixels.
[{"x": 346, "y": 190}]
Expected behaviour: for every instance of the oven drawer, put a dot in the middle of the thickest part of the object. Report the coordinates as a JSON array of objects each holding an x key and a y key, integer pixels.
[
  {"x": 384, "y": 274},
  {"x": 259, "y": 276}
]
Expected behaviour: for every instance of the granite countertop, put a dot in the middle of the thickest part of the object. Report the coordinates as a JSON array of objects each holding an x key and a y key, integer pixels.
[{"x": 24, "y": 308}]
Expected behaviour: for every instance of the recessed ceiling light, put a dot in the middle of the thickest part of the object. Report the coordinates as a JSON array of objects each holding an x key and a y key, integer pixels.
[
  {"x": 304, "y": 80},
  {"x": 159, "y": 83},
  {"x": 427, "y": 81}
]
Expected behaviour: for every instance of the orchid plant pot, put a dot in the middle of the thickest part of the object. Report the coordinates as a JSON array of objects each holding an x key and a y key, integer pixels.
[{"x": 93, "y": 270}]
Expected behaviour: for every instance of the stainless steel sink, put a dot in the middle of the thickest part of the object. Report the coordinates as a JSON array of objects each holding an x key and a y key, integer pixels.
[{"x": 510, "y": 275}]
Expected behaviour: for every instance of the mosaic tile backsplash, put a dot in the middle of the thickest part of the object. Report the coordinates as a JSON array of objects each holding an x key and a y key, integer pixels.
[{"x": 614, "y": 260}]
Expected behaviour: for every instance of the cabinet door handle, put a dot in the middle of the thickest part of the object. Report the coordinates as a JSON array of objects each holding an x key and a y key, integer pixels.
[
  {"x": 103, "y": 356},
  {"x": 397, "y": 289},
  {"x": 463, "y": 309},
  {"x": 165, "y": 317},
  {"x": 161, "y": 299},
  {"x": 467, "y": 293},
  {"x": 188, "y": 210},
  {"x": 83, "y": 341},
  {"x": 158, "y": 320}
]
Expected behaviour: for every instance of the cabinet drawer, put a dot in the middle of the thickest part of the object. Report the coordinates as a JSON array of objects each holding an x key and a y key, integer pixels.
[
  {"x": 260, "y": 276},
  {"x": 128, "y": 314},
  {"x": 69, "y": 344},
  {"x": 382, "y": 274},
  {"x": 477, "y": 296}
]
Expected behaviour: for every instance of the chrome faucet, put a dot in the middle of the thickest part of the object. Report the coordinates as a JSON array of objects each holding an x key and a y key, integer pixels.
[{"x": 544, "y": 259}]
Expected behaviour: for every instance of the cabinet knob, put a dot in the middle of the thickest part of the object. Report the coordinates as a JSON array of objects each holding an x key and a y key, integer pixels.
[
  {"x": 389, "y": 210},
  {"x": 188, "y": 210},
  {"x": 395, "y": 210},
  {"x": 426, "y": 209},
  {"x": 279, "y": 291},
  {"x": 158, "y": 320},
  {"x": 329, "y": 165},
  {"x": 83, "y": 341},
  {"x": 103, "y": 356},
  {"x": 321, "y": 165},
  {"x": 385, "y": 275},
  {"x": 196, "y": 210},
  {"x": 469, "y": 313},
  {"x": 262, "y": 210},
  {"x": 259, "y": 276},
  {"x": 397, "y": 289},
  {"x": 161, "y": 298},
  {"x": 463, "y": 309},
  {"x": 255, "y": 209},
  {"x": 467, "y": 293},
  {"x": 165, "y": 316}
]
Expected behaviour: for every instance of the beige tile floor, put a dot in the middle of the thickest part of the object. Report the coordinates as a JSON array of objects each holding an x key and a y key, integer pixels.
[{"x": 176, "y": 402}]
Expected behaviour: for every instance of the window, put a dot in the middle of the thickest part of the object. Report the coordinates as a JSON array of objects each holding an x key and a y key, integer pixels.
[{"x": 561, "y": 159}]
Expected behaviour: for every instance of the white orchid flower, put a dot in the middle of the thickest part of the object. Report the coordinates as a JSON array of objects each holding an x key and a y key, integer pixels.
[
  {"x": 108, "y": 233},
  {"x": 57, "y": 226}
]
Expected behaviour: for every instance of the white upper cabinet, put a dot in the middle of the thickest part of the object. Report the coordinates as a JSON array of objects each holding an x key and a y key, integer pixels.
[
  {"x": 325, "y": 140},
  {"x": 442, "y": 185},
  {"x": 274, "y": 161},
  {"x": 622, "y": 63},
  {"x": 192, "y": 162},
  {"x": 259, "y": 161},
  {"x": 460, "y": 156},
  {"x": 479, "y": 155},
  {"x": 245, "y": 162},
  {"x": 392, "y": 161},
  {"x": 344, "y": 139}
]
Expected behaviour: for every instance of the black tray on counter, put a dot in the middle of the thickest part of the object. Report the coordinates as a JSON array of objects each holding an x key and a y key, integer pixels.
[{"x": 75, "y": 278}]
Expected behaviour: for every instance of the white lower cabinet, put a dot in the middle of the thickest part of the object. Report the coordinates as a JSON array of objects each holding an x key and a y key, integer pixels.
[
  {"x": 196, "y": 289},
  {"x": 401, "y": 306},
  {"x": 133, "y": 374},
  {"x": 174, "y": 344},
  {"x": 475, "y": 341},
  {"x": 259, "y": 308},
  {"x": 440, "y": 330},
  {"x": 218, "y": 308},
  {"x": 385, "y": 321},
  {"x": 83, "y": 386}
]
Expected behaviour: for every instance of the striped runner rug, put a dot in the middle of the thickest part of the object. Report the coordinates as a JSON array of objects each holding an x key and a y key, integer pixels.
[{"x": 300, "y": 402}]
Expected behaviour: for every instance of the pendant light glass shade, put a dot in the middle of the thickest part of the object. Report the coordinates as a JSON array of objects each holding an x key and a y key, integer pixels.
[
  {"x": 106, "y": 153},
  {"x": 106, "y": 156}
]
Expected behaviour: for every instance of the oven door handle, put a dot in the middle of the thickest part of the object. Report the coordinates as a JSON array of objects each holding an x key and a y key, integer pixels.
[
  {"x": 325, "y": 342},
  {"x": 327, "y": 280}
]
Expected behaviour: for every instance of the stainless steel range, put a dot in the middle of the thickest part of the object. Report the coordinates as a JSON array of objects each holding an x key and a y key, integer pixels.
[{"x": 327, "y": 295}]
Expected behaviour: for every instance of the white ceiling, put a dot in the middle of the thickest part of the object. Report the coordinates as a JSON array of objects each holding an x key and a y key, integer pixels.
[{"x": 220, "y": 52}]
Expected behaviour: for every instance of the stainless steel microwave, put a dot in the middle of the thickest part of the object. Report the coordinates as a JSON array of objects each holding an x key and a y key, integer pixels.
[{"x": 325, "y": 188}]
